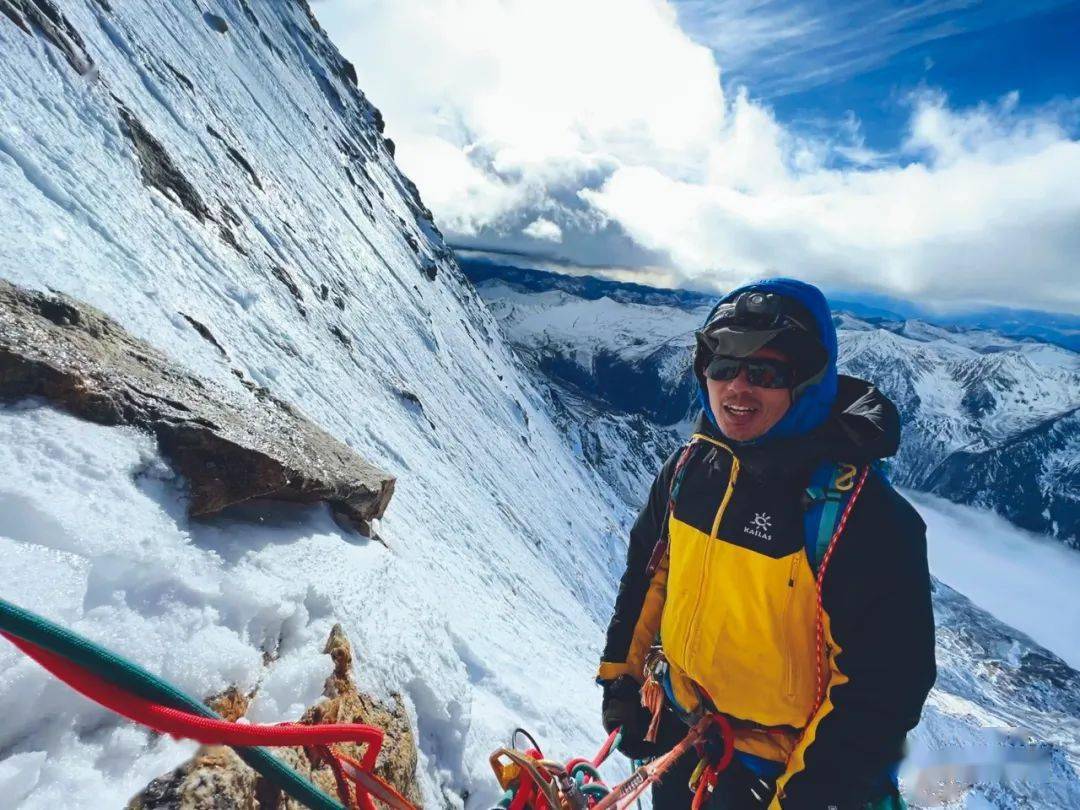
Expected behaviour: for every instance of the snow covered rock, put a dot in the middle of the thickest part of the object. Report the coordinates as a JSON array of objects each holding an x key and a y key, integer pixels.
[
  {"x": 44, "y": 16},
  {"x": 216, "y": 778},
  {"x": 230, "y": 446},
  {"x": 1002, "y": 726},
  {"x": 1001, "y": 477}
]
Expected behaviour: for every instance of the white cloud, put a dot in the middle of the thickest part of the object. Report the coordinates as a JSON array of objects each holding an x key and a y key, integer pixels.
[
  {"x": 990, "y": 218},
  {"x": 541, "y": 95},
  {"x": 462, "y": 193},
  {"x": 604, "y": 115},
  {"x": 544, "y": 229}
]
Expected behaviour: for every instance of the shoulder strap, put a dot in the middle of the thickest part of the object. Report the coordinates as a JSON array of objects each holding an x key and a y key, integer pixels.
[
  {"x": 829, "y": 491},
  {"x": 660, "y": 549}
]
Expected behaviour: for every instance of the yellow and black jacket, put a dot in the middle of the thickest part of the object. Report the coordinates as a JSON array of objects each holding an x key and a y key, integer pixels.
[{"x": 733, "y": 602}]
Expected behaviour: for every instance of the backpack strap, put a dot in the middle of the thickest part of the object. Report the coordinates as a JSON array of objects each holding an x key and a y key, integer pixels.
[
  {"x": 829, "y": 491},
  {"x": 660, "y": 549}
]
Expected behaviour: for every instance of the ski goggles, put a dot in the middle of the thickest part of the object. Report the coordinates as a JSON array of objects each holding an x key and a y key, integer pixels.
[{"x": 762, "y": 372}]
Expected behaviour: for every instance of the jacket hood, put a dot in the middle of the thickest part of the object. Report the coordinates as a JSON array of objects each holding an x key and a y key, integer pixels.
[
  {"x": 816, "y": 402},
  {"x": 862, "y": 426}
]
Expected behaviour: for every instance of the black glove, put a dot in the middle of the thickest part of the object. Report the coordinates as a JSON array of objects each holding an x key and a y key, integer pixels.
[{"x": 622, "y": 708}]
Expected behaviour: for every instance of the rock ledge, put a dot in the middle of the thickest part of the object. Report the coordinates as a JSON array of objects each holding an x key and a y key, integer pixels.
[{"x": 230, "y": 447}]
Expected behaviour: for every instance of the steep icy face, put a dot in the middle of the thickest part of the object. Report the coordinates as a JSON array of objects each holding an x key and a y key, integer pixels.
[
  {"x": 210, "y": 176},
  {"x": 988, "y": 419}
]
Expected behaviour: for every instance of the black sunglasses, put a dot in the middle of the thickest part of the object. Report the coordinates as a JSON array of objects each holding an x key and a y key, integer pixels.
[{"x": 760, "y": 371}]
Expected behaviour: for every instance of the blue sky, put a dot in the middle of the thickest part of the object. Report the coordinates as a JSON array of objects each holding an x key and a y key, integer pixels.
[
  {"x": 813, "y": 62},
  {"x": 925, "y": 151}
]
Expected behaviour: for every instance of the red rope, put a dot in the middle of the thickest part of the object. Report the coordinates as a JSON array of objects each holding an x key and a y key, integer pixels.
[
  {"x": 191, "y": 726},
  {"x": 707, "y": 780},
  {"x": 819, "y": 676},
  {"x": 706, "y": 784},
  {"x": 212, "y": 731},
  {"x": 605, "y": 749}
]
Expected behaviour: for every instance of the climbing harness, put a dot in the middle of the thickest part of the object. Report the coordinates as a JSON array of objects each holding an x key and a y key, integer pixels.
[{"x": 127, "y": 689}]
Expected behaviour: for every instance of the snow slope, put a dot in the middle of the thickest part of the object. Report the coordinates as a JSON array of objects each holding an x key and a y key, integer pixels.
[{"x": 295, "y": 241}]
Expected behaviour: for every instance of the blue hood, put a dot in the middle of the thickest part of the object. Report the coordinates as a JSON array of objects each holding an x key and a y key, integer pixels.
[{"x": 811, "y": 409}]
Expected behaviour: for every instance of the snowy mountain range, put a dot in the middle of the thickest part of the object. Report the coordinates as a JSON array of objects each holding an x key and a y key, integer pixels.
[
  {"x": 209, "y": 175},
  {"x": 989, "y": 420}
]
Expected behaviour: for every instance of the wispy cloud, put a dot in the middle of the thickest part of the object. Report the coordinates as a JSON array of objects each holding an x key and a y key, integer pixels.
[
  {"x": 601, "y": 127},
  {"x": 779, "y": 47}
]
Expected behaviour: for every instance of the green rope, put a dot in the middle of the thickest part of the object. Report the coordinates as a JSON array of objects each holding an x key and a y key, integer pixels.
[
  {"x": 133, "y": 678},
  {"x": 586, "y": 767}
]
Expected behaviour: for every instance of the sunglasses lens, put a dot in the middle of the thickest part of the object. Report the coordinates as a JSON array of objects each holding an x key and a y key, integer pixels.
[
  {"x": 762, "y": 373},
  {"x": 768, "y": 375},
  {"x": 722, "y": 369}
]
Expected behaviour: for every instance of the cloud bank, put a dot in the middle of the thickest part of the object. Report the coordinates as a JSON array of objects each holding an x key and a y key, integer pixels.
[{"x": 600, "y": 129}]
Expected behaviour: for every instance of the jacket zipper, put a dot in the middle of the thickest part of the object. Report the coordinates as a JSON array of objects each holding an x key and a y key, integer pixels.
[
  {"x": 789, "y": 657},
  {"x": 691, "y": 627}
]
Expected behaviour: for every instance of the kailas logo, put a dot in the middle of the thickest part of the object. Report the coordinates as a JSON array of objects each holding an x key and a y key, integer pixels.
[{"x": 759, "y": 527}]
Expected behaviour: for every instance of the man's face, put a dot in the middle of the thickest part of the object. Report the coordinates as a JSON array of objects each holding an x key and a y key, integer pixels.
[{"x": 744, "y": 411}]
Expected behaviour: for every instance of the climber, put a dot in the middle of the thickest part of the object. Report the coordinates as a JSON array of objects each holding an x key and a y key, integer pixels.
[{"x": 778, "y": 497}]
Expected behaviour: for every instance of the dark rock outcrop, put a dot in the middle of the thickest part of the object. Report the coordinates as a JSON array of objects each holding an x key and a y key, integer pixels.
[
  {"x": 204, "y": 333},
  {"x": 215, "y": 22},
  {"x": 44, "y": 17},
  {"x": 158, "y": 168},
  {"x": 217, "y": 779},
  {"x": 231, "y": 447},
  {"x": 236, "y": 157}
]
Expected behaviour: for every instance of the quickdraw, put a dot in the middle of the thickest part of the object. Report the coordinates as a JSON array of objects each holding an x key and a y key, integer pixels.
[
  {"x": 134, "y": 693},
  {"x": 532, "y": 782}
]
